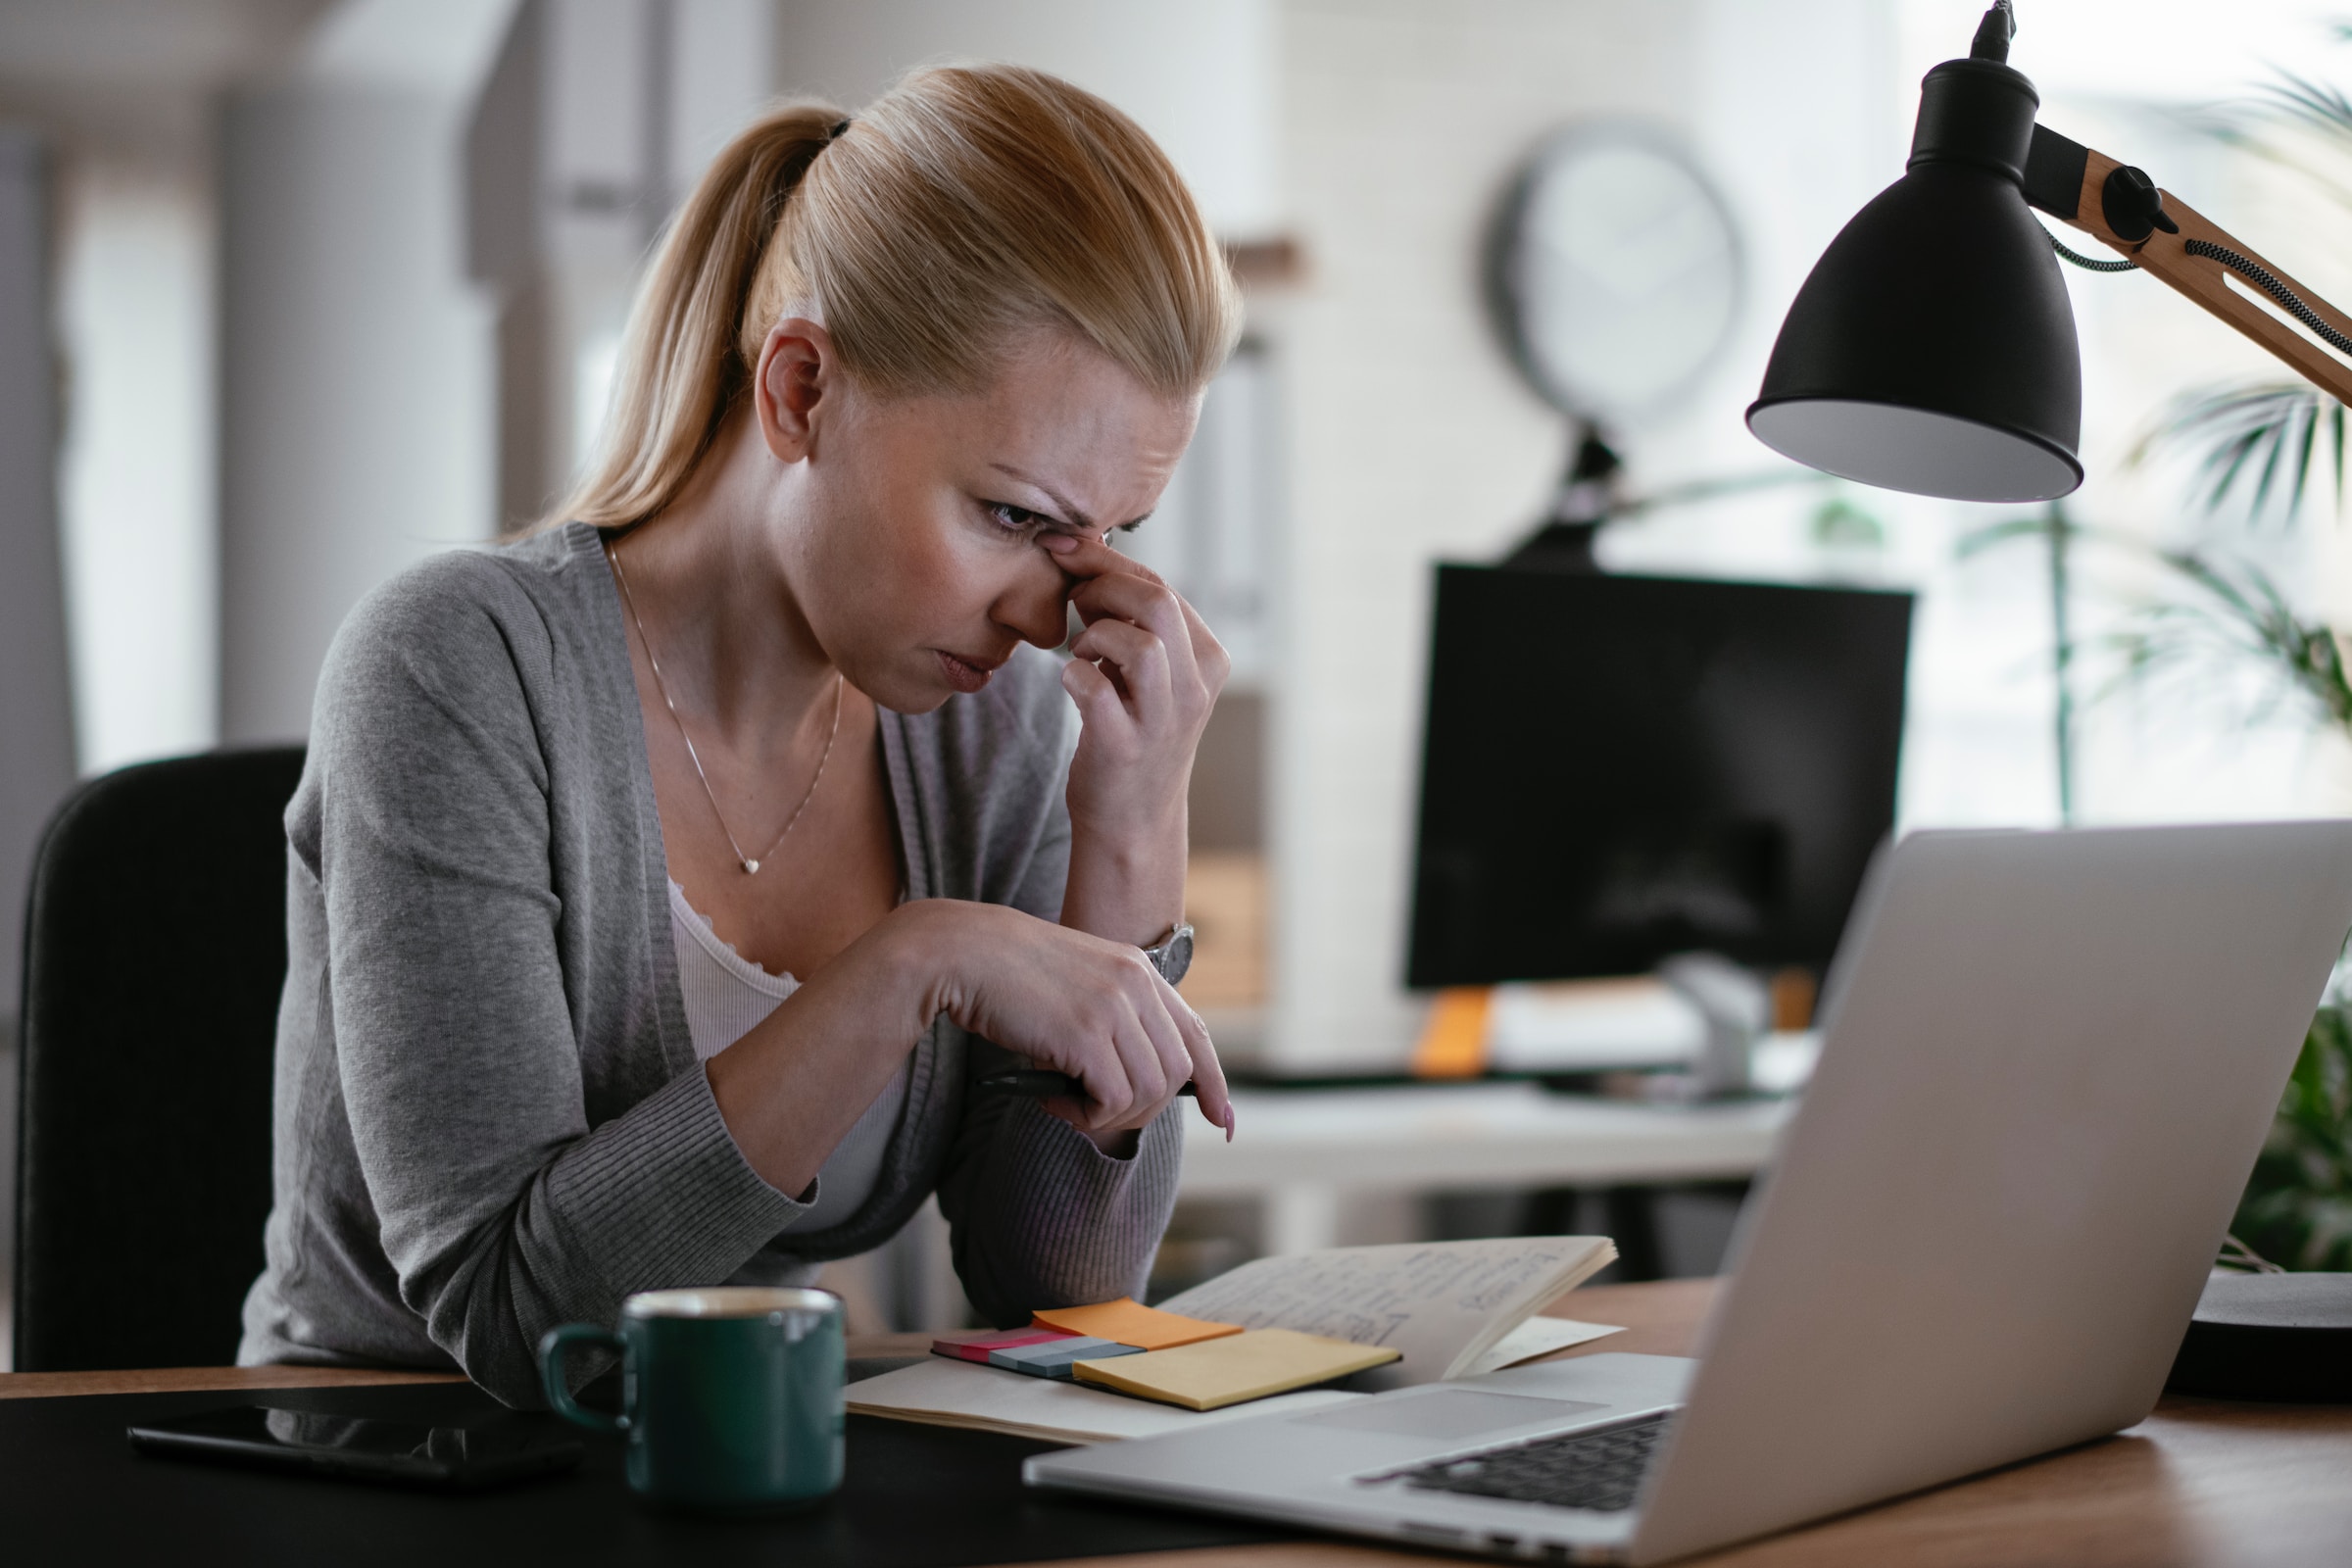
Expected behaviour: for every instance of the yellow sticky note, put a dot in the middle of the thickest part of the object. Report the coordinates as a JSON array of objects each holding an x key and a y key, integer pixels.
[
  {"x": 1215, "y": 1373},
  {"x": 1129, "y": 1322}
]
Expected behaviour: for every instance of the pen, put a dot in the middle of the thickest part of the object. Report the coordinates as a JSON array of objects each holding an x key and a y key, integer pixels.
[{"x": 1040, "y": 1083}]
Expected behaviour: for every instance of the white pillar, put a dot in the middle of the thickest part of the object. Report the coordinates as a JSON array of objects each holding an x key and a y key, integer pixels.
[
  {"x": 36, "y": 727},
  {"x": 356, "y": 358}
]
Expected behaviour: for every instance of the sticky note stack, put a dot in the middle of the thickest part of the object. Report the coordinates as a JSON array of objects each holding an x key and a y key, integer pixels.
[
  {"x": 1130, "y": 1348},
  {"x": 1058, "y": 1340}
]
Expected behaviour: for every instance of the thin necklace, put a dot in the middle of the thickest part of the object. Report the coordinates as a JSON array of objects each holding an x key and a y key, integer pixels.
[{"x": 750, "y": 862}]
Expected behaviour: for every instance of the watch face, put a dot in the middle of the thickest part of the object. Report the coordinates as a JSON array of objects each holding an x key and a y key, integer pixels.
[
  {"x": 1174, "y": 956},
  {"x": 1616, "y": 272}
]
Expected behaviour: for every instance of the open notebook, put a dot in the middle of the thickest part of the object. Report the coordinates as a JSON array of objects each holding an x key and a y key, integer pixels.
[{"x": 1431, "y": 1310}]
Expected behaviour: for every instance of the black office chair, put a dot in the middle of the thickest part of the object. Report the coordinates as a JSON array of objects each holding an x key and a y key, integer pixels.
[{"x": 154, "y": 946}]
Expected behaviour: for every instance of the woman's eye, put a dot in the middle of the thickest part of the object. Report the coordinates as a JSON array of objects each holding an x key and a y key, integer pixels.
[{"x": 1015, "y": 519}]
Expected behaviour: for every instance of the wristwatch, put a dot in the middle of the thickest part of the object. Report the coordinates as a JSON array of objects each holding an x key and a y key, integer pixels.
[{"x": 1172, "y": 954}]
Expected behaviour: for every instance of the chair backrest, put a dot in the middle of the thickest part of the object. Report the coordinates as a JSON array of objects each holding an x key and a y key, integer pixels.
[{"x": 155, "y": 948}]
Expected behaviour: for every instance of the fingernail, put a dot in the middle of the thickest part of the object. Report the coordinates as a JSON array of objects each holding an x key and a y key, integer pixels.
[{"x": 1229, "y": 1121}]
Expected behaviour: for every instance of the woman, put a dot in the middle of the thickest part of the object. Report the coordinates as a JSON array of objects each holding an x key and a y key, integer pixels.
[{"x": 658, "y": 884}]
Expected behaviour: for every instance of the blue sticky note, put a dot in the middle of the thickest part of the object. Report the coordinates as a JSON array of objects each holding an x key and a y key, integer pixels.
[{"x": 1052, "y": 1358}]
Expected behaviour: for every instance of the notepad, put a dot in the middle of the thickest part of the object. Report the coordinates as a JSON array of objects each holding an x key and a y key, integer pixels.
[
  {"x": 957, "y": 1393},
  {"x": 1214, "y": 1373},
  {"x": 1127, "y": 1321}
]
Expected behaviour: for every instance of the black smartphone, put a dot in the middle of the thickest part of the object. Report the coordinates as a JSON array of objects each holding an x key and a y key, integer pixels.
[{"x": 498, "y": 1450}]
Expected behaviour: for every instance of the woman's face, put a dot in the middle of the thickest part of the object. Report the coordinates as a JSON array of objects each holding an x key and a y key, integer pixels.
[{"x": 914, "y": 550}]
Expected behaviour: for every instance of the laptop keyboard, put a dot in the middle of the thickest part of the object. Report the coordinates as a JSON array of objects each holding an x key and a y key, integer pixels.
[{"x": 1597, "y": 1470}]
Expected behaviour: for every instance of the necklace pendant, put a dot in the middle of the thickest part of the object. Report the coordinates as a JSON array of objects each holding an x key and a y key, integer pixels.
[{"x": 751, "y": 868}]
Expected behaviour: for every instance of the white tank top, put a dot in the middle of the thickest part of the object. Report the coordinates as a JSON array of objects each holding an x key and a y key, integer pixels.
[{"x": 727, "y": 996}]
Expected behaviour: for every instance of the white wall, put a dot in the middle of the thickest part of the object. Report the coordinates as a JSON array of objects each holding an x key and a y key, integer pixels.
[
  {"x": 357, "y": 413},
  {"x": 723, "y": 56},
  {"x": 1200, "y": 76}
]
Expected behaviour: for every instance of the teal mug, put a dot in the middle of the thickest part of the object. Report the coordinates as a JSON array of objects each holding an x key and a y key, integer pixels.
[{"x": 730, "y": 1396}]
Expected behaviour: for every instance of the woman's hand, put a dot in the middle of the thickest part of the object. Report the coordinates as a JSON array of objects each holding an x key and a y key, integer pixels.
[
  {"x": 1086, "y": 1005},
  {"x": 1145, "y": 673},
  {"x": 791, "y": 1089}
]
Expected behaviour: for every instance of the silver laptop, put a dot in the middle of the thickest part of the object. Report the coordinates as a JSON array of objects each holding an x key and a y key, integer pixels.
[{"x": 2050, "y": 1060}]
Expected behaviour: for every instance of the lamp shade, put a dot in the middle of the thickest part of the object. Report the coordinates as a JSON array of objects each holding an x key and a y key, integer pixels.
[{"x": 1933, "y": 348}]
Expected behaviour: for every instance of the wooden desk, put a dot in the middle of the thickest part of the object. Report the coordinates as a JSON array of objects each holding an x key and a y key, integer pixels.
[{"x": 2198, "y": 1482}]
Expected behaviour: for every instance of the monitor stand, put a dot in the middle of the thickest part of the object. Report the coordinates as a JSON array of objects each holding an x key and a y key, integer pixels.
[{"x": 1584, "y": 504}]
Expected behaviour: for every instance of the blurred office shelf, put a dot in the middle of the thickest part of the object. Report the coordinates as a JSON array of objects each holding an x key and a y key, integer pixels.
[{"x": 1297, "y": 1152}]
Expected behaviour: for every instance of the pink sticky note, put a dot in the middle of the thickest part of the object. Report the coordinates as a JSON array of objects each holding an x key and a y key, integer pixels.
[{"x": 973, "y": 1345}]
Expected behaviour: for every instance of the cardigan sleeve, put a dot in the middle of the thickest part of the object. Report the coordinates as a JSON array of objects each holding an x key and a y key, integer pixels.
[
  {"x": 1039, "y": 1217},
  {"x": 502, "y": 1211}
]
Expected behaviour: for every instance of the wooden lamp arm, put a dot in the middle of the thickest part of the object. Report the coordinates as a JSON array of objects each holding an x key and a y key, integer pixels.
[{"x": 2084, "y": 200}]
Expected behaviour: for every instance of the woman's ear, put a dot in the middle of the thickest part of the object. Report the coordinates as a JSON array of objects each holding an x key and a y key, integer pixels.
[{"x": 798, "y": 372}]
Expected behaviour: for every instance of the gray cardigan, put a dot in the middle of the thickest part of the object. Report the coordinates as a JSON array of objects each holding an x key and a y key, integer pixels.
[{"x": 489, "y": 1118}]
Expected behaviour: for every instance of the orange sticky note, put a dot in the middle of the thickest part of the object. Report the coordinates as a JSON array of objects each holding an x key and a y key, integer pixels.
[
  {"x": 1454, "y": 1042},
  {"x": 1129, "y": 1322}
]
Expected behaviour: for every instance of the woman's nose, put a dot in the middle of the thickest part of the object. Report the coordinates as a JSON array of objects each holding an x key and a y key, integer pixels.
[{"x": 1035, "y": 603}]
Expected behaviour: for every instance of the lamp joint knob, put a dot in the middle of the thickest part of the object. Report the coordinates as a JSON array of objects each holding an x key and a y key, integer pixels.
[{"x": 2132, "y": 206}]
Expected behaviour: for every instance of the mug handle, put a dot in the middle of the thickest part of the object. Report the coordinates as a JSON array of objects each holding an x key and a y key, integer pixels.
[{"x": 552, "y": 1347}]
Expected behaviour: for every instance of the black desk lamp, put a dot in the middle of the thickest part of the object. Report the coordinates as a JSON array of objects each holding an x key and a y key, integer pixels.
[{"x": 1933, "y": 348}]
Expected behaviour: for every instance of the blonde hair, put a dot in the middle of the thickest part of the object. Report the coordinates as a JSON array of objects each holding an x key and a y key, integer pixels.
[{"x": 966, "y": 204}]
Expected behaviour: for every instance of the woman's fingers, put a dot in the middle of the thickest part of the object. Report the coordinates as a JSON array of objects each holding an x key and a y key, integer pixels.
[
  {"x": 1082, "y": 556},
  {"x": 1155, "y": 608},
  {"x": 1112, "y": 584},
  {"x": 1095, "y": 1009},
  {"x": 1142, "y": 663},
  {"x": 1209, "y": 656},
  {"x": 1205, "y": 1071},
  {"x": 1097, "y": 695},
  {"x": 1174, "y": 1062},
  {"x": 1147, "y": 1080},
  {"x": 1113, "y": 1056}
]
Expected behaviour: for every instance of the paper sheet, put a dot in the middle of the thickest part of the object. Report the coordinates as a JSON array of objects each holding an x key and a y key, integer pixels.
[
  {"x": 1440, "y": 1303},
  {"x": 1538, "y": 1336},
  {"x": 957, "y": 1393}
]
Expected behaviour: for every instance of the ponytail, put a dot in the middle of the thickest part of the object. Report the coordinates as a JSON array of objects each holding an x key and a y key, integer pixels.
[
  {"x": 680, "y": 372},
  {"x": 966, "y": 204}
]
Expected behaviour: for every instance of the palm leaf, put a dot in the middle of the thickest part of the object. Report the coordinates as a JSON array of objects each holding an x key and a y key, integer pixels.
[
  {"x": 2315, "y": 106},
  {"x": 2256, "y": 447},
  {"x": 2236, "y": 611}
]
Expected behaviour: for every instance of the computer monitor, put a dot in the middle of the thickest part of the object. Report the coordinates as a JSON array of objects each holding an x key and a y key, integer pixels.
[{"x": 1620, "y": 769}]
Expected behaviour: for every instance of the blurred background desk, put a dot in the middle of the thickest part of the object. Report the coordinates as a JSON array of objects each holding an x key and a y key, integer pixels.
[{"x": 1301, "y": 1150}]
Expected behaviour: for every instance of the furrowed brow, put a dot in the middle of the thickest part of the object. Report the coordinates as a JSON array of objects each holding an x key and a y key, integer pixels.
[{"x": 1073, "y": 514}]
